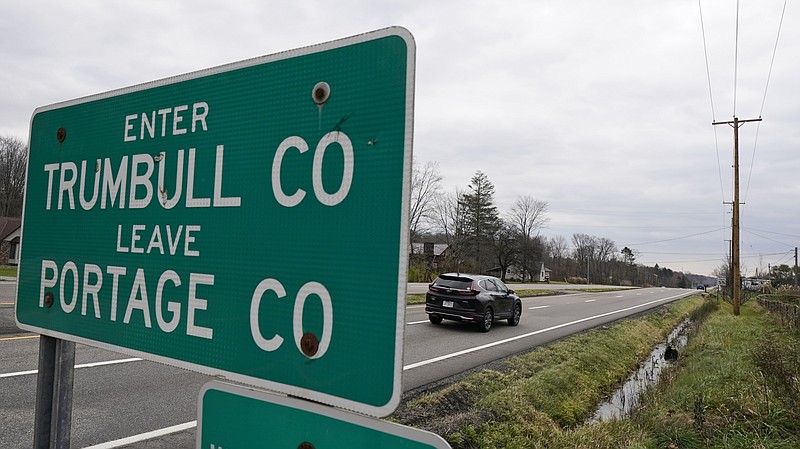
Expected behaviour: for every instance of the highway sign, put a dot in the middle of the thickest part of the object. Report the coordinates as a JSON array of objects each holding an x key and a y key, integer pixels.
[
  {"x": 248, "y": 221},
  {"x": 229, "y": 416}
]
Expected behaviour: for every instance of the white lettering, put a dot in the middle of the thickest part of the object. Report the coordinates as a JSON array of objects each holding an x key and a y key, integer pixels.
[
  {"x": 199, "y": 117},
  {"x": 138, "y": 299},
  {"x": 66, "y": 185},
  {"x": 219, "y": 201},
  {"x": 86, "y": 205},
  {"x": 163, "y": 113},
  {"x": 172, "y": 306},
  {"x": 282, "y": 198},
  {"x": 347, "y": 174},
  {"x": 172, "y": 241},
  {"x": 196, "y": 303},
  {"x": 120, "y": 248},
  {"x": 92, "y": 289},
  {"x": 166, "y": 202},
  {"x": 177, "y": 119},
  {"x": 266, "y": 344},
  {"x": 113, "y": 186},
  {"x": 135, "y": 237},
  {"x": 115, "y": 273},
  {"x": 148, "y": 123},
  {"x": 141, "y": 180},
  {"x": 188, "y": 239},
  {"x": 46, "y": 282},
  {"x": 128, "y": 127},
  {"x": 50, "y": 169},
  {"x": 191, "y": 201},
  {"x": 313, "y": 288},
  {"x": 68, "y": 268},
  {"x": 155, "y": 241}
]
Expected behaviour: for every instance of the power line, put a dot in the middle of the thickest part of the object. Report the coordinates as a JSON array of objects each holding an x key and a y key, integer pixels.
[
  {"x": 770, "y": 239},
  {"x": 764, "y": 99},
  {"x": 773, "y": 232},
  {"x": 713, "y": 113},
  {"x": 736, "y": 59},
  {"x": 678, "y": 238}
]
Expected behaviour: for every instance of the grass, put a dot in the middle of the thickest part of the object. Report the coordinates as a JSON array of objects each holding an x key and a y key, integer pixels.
[
  {"x": 737, "y": 385},
  {"x": 535, "y": 292},
  {"x": 8, "y": 271},
  {"x": 415, "y": 299},
  {"x": 529, "y": 400}
]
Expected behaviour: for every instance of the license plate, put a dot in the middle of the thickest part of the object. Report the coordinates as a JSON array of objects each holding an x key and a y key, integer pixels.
[{"x": 447, "y": 303}]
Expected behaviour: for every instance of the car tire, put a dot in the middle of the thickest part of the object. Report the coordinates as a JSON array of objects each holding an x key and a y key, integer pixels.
[
  {"x": 486, "y": 323},
  {"x": 515, "y": 315},
  {"x": 435, "y": 319}
]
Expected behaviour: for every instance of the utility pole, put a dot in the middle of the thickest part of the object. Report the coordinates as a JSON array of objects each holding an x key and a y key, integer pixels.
[
  {"x": 795, "y": 267},
  {"x": 737, "y": 283}
]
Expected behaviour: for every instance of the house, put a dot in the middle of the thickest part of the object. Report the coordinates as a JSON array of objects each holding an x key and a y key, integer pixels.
[
  {"x": 428, "y": 252},
  {"x": 10, "y": 229},
  {"x": 543, "y": 274}
]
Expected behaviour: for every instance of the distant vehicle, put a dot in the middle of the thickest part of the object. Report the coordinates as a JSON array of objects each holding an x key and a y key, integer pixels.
[
  {"x": 472, "y": 297},
  {"x": 701, "y": 287}
]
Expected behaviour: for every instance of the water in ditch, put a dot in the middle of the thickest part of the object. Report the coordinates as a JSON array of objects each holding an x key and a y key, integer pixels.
[{"x": 627, "y": 396}]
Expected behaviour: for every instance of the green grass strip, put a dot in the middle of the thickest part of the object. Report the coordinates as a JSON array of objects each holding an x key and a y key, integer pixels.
[{"x": 533, "y": 400}]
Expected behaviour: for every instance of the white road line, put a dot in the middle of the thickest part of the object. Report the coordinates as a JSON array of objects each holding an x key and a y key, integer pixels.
[
  {"x": 84, "y": 365},
  {"x": 530, "y": 334},
  {"x": 417, "y": 322},
  {"x": 590, "y": 300},
  {"x": 538, "y": 307},
  {"x": 144, "y": 436}
]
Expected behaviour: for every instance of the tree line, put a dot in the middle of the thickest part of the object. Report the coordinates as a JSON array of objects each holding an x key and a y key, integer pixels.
[
  {"x": 481, "y": 239},
  {"x": 13, "y": 160}
]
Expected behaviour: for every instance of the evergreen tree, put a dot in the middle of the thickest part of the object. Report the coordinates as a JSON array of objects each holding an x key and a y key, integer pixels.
[{"x": 481, "y": 219}]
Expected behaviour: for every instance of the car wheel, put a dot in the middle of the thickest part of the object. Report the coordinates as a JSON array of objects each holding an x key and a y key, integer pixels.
[
  {"x": 515, "y": 315},
  {"x": 486, "y": 323},
  {"x": 435, "y": 319}
]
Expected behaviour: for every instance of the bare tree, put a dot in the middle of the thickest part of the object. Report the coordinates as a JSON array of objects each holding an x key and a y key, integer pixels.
[
  {"x": 505, "y": 247},
  {"x": 426, "y": 185},
  {"x": 606, "y": 253},
  {"x": 527, "y": 216},
  {"x": 557, "y": 249},
  {"x": 584, "y": 248},
  {"x": 13, "y": 160},
  {"x": 448, "y": 218}
]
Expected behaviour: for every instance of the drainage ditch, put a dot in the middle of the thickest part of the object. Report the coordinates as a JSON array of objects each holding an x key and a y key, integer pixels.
[{"x": 627, "y": 396}]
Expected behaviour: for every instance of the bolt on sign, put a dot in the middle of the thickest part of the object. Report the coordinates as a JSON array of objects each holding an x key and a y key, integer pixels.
[
  {"x": 231, "y": 416},
  {"x": 248, "y": 221}
]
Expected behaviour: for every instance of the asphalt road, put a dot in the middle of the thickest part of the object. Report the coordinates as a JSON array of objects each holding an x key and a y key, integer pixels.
[{"x": 132, "y": 397}]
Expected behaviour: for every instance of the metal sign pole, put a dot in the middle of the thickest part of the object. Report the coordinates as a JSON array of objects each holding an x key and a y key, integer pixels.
[
  {"x": 61, "y": 420},
  {"x": 53, "y": 419},
  {"x": 44, "y": 392}
]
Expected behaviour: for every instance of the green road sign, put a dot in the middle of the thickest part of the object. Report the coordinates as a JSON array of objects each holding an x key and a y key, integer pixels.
[
  {"x": 232, "y": 417},
  {"x": 248, "y": 221}
]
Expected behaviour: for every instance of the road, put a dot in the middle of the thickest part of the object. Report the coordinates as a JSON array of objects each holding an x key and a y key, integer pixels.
[{"x": 129, "y": 397}]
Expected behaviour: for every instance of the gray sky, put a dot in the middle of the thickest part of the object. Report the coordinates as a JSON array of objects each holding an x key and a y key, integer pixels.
[{"x": 602, "y": 109}]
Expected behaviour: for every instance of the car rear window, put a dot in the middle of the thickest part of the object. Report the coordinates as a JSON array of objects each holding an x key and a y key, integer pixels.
[{"x": 457, "y": 283}]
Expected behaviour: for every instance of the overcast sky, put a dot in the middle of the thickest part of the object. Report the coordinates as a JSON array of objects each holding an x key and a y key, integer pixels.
[{"x": 602, "y": 109}]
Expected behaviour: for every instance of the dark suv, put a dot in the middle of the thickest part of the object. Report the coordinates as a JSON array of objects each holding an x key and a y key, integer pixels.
[{"x": 472, "y": 297}]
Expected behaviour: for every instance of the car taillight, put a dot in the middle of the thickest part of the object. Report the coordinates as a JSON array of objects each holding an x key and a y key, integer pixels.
[
  {"x": 433, "y": 289},
  {"x": 471, "y": 292}
]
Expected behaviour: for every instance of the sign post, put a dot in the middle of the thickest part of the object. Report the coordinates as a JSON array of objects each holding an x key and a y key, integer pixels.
[
  {"x": 229, "y": 416},
  {"x": 248, "y": 221}
]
